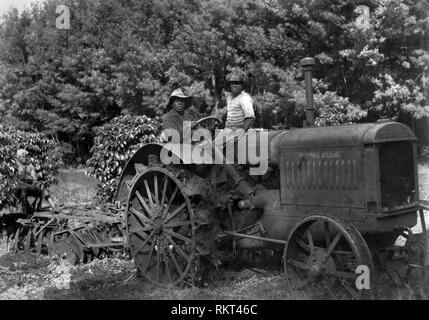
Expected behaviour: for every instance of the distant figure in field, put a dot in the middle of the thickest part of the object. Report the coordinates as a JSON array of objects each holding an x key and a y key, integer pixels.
[{"x": 27, "y": 182}]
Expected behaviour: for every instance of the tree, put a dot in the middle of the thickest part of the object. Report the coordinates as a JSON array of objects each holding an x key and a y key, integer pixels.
[{"x": 126, "y": 57}]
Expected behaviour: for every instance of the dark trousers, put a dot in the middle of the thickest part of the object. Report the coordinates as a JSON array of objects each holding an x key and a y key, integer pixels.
[{"x": 24, "y": 191}]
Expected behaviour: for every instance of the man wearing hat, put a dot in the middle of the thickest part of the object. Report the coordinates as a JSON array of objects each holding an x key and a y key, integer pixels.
[
  {"x": 26, "y": 176},
  {"x": 240, "y": 114},
  {"x": 177, "y": 114}
]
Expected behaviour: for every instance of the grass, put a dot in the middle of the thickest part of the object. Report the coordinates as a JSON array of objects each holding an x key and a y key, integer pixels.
[
  {"x": 6, "y": 245},
  {"x": 27, "y": 277},
  {"x": 73, "y": 188}
]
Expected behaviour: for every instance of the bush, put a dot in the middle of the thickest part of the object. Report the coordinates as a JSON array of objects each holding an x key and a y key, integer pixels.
[
  {"x": 114, "y": 144},
  {"x": 43, "y": 154},
  {"x": 332, "y": 109},
  {"x": 7, "y": 168}
]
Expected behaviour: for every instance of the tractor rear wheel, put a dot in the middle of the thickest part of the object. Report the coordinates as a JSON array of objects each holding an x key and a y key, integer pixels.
[{"x": 161, "y": 227}]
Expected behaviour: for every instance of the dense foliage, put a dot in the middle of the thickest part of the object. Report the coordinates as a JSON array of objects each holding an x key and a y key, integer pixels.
[
  {"x": 114, "y": 144},
  {"x": 42, "y": 152},
  {"x": 7, "y": 182},
  {"x": 126, "y": 56}
]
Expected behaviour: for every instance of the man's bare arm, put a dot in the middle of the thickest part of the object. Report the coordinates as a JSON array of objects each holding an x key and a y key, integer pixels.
[
  {"x": 248, "y": 122},
  {"x": 33, "y": 173}
]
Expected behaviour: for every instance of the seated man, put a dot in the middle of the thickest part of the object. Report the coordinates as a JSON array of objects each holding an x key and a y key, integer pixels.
[
  {"x": 177, "y": 114},
  {"x": 239, "y": 113},
  {"x": 27, "y": 182}
]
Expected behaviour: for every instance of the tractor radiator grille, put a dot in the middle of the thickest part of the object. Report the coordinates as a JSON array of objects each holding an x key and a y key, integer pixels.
[{"x": 396, "y": 174}]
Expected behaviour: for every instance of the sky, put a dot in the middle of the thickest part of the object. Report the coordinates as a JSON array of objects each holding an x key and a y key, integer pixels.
[{"x": 20, "y": 4}]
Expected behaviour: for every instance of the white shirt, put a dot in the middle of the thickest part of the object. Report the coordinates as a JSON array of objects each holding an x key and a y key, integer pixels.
[{"x": 238, "y": 108}]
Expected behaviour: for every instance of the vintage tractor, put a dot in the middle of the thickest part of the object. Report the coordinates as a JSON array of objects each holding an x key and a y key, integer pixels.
[{"x": 333, "y": 199}]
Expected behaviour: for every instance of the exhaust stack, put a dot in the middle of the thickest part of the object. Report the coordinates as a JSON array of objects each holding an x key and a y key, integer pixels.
[{"x": 307, "y": 65}]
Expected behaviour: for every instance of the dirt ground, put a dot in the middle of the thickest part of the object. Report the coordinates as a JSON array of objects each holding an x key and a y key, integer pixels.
[{"x": 28, "y": 277}]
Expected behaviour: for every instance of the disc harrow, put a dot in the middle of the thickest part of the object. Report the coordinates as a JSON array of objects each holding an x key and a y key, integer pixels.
[{"x": 77, "y": 234}]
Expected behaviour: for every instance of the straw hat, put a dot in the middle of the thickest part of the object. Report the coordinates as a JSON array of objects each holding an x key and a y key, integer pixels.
[
  {"x": 178, "y": 93},
  {"x": 21, "y": 152}
]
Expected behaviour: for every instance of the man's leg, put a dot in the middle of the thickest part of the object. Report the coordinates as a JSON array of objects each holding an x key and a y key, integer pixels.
[
  {"x": 36, "y": 193},
  {"x": 24, "y": 202}
]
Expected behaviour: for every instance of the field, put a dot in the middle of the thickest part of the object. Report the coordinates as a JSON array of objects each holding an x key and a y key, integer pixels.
[{"x": 25, "y": 276}]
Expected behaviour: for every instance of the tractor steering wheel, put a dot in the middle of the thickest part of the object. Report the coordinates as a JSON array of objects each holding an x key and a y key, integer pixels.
[{"x": 210, "y": 123}]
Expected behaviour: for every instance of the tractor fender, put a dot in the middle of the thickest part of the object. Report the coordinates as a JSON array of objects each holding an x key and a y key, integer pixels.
[{"x": 138, "y": 162}]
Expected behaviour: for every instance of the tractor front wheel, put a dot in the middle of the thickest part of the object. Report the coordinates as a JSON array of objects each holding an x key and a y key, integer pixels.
[{"x": 324, "y": 258}]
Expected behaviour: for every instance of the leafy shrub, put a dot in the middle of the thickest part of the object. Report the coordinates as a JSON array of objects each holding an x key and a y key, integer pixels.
[
  {"x": 332, "y": 109},
  {"x": 43, "y": 154},
  {"x": 7, "y": 168},
  {"x": 114, "y": 144}
]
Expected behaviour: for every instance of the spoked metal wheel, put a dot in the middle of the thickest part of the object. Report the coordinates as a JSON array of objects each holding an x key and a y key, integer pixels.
[
  {"x": 321, "y": 259},
  {"x": 210, "y": 122},
  {"x": 161, "y": 227}
]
